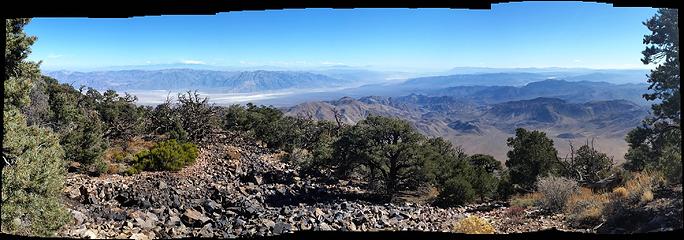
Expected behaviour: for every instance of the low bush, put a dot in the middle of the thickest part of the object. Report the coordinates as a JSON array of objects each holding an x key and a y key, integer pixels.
[
  {"x": 640, "y": 185},
  {"x": 555, "y": 192},
  {"x": 585, "y": 209},
  {"x": 514, "y": 215},
  {"x": 167, "y": 155},
  {"x": 112, "y": 168},
  {"x": 456, "y": 191},
  {"x": 626, "y": 203},
  {"x": 473, "y": 225}
]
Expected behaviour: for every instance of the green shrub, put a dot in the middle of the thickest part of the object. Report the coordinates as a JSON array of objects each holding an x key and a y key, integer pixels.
[
  {"x": 99, "y": 167},
  {"x": 167, "y": 155},
  {"x": 670, "y": 163},
  {"x": 457, "y": 191},
  {"x": 32, "y": 182},
  {"x": 504, "y": 188}
]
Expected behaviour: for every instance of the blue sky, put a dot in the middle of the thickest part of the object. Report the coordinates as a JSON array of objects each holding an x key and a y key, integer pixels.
[{"x": 529, "y": 34}]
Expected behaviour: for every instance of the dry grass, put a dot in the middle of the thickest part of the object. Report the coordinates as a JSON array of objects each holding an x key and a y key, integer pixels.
[
  {"x": 515, "y": 215},
  {"x": 620, "y": 192},
  {"x": 473, "y": 225},
  {"x": 624, "y": 202},
  {"x": 647, "y": 196},
  {"x": 640, "y": 186},
  {"x": 121, "y": 153},
  {"x": 585, "y": 208},
  {"x": 527, "y": 200}
]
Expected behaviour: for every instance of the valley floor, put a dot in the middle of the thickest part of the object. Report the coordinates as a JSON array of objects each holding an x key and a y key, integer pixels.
[{"x": 236, "y": 189}]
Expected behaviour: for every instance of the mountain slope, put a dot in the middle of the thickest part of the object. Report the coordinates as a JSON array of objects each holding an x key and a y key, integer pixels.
[
  {"x": 577, "y": 92},
  {"x": 183, "y": 79},
  {"x": 484, "y": 128}
]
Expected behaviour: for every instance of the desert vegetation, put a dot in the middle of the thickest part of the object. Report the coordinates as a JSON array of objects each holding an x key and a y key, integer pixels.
[{"x": 51, "y": 127}]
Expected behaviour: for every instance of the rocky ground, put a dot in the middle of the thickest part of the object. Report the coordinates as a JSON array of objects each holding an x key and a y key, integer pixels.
[{"x": 236, "y": 189}]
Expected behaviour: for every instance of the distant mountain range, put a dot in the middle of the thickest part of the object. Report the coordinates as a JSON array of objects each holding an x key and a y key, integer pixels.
[
  {"x": 477, "y": 108},
  {"x": 484, "y": 128},
  {"x": 391, "y": 83},
  {"x": 208, "y": 80},
  {"x": 581, "y": 91}
]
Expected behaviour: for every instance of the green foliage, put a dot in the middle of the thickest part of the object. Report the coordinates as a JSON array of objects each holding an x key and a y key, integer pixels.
[
  {"x": 122, "y": 118},
  {"x": 670, "y": 164},
  {"x": 99, "y": 167},
  {"x": 483, "y": 180},
  {"x": 661, "y": 134},
  {"x": 197, "y": 118},
  {"x": 262, "y": 122},
  {"x": 167, "y": 155},
  {"x": 504, "y": 188},
  {"x": 484, "y": 183},
  {"x": 390, "y": 153},
  {"x": 19, "y": 72},
  {"x": 78, "y": 124},
  {"x": 33, "y": 167},
  {"x": 444, "y": 161},
  {"x": 587, "y": 165},
  {"x": 190, "y": 119},
  {"x": 309, "y": 143},
  {"x": 82, "y": 139},
  {"x": 663, "y": 49},
  {"x": 486, "y": 162},
  {"x": 456, "y": 191},
  {"x": 33, "y": 179},
  {"x": 165, "y": 120},
  {"x": 348, "y": 152},
  {"x": 38, "y": 112},
  {"x": 532, "y": 156}
]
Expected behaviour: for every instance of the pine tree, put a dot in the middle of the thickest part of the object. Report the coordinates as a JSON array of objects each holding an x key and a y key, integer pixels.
[
  {"x": 532, "y": 156},
  {"x": 33, "y": 168},
  {"x": 660, "y": 135}
]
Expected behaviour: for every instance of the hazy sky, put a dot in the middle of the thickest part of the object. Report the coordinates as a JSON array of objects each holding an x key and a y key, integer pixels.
[{"x": 529, "y": 34}]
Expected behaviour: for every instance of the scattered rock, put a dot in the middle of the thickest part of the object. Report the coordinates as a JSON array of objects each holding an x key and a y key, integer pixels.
[
  {"x": 281, "y": 227},
  {"x": 193, "y": 218}
]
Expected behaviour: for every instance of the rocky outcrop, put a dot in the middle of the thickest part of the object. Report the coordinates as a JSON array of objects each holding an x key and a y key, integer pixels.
[{"x": 238, "y": 189}]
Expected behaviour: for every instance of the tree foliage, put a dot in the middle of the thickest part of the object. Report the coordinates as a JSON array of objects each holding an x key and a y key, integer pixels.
[
  {"x": 390, "y": 152},
  {"x": 663, "y": 130},
  {"x": 532, "y": 155},
  {"x": 456, "y": 191},
  {"x": 196, "y": 116},
  {"x": 32, "y": 166},
  {"x": 76, "y": 121},
  {"x": 122, "y": 118},
  {"x": 587, "y": 165}
]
